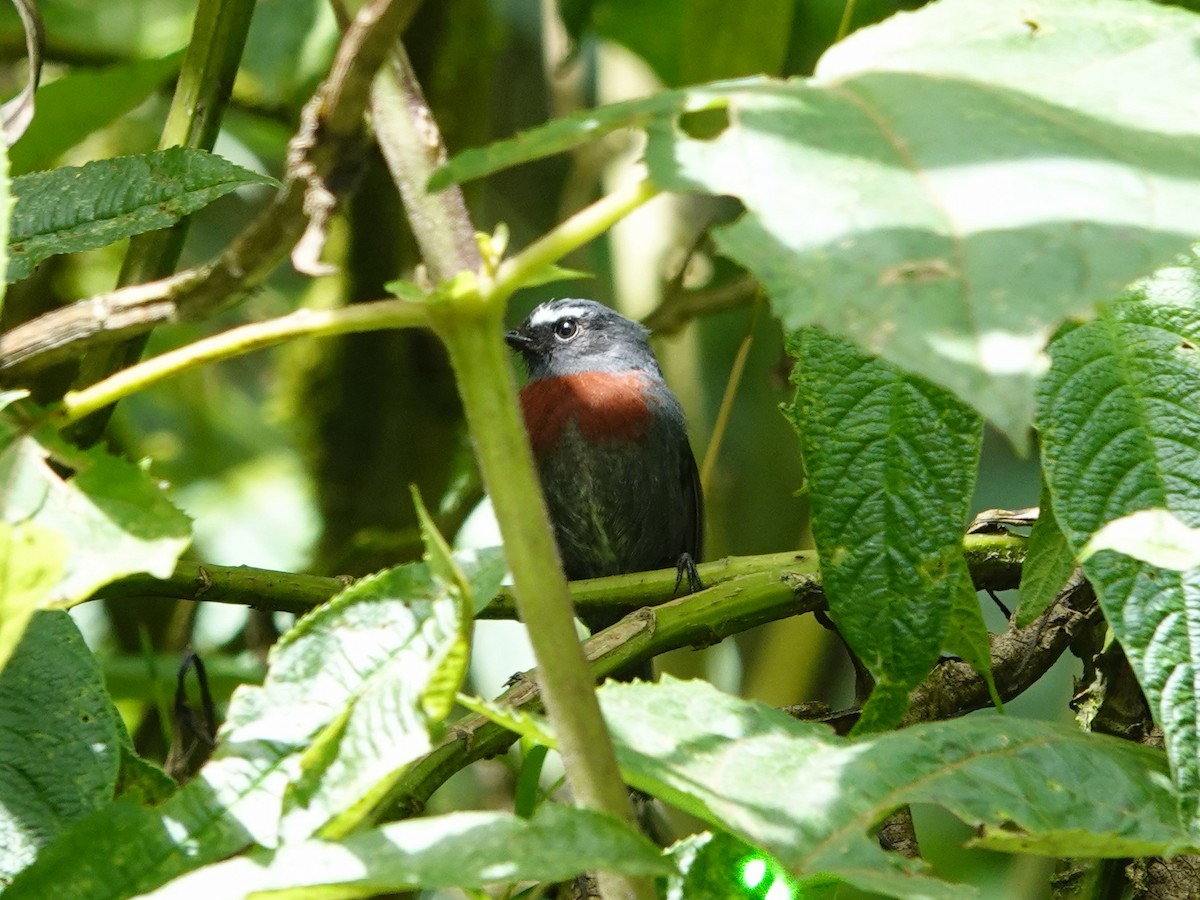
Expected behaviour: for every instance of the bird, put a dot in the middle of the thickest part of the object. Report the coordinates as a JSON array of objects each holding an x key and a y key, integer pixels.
[{"x": 611, "y": 446}]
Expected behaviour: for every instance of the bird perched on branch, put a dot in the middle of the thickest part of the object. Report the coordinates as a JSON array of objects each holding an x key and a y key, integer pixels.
[{"x": 611, "y": 445}]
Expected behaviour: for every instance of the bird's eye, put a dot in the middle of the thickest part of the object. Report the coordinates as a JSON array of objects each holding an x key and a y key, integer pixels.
[{"x": 565, "y": 329}]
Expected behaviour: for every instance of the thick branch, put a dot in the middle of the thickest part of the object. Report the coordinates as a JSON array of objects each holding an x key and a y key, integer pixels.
[
  {"x": 995, "y": 562},
  {"x": 1020, "y": 657}
]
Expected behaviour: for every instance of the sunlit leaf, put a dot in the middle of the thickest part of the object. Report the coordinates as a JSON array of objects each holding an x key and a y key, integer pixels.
[
  {"x": 465, "y": 849},
  {"x": 1154, "y": 536},
  {"x": 814, "y": 800},
  {"x": 115, "y": 520},
  {"x": 1121, "y": 434},
  {"x": 32, "y": 561},
  {"x": 338, "y": 716},
  {"x": 930, "y": 192}
]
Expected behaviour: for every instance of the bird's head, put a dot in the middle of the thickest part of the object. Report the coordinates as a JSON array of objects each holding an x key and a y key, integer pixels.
[{"x": 567, "y": 337}]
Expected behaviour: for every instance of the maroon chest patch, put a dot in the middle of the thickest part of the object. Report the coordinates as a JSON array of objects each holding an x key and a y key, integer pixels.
[{"x": 603, "y": 406}]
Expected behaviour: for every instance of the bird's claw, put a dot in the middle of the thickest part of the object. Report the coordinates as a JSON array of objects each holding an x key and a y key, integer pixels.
[{"x": 686, "y": 568}]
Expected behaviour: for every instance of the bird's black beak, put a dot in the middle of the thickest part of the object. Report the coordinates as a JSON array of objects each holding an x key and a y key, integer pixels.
[{"x": 517, "y": 341}]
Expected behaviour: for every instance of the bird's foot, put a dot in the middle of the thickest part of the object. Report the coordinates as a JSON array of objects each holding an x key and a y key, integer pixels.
[{"x": 686, "y": 568}]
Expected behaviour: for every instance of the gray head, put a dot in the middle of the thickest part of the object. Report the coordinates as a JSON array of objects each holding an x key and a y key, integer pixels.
[{"x": 566, "y": 337}]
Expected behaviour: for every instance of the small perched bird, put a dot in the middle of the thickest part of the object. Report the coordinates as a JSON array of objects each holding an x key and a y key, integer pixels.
[{"x": 611, "y": 445}]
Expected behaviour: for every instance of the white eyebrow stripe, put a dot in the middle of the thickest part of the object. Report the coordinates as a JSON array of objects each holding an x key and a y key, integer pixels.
[{"x": 546, "y": 314}]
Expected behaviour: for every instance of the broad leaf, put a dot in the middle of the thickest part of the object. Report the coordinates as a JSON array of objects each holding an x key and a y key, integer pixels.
[
  {"x": 1049, "y": 562},
  {"x": 107, "y": 520},
  {"x": 338, "y": 715},
  {"x": 890, "y": 461},
  {"x": 369, "y": 704},
  {"x": 61, "y": 740},
  {"x": 912, "y": 195},
  {"x": 70, "y": 209},
  {"x": 967, "y": 634},
  {"x": 1154, "y": 536},
  {"x": 72, "y": 107},
  {"x": 814, "y": 800},
  {"x": 930, "y": 192},
  {"x": 465, "y": 849},
  {"x": 114, "y": 518},
  {"x": 32, "y": 561},
  {"x": 1120, "y": 434}
]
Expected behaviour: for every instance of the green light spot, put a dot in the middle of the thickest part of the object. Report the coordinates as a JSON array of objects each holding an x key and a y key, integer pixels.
[
  {"x": 779, "y": 891},
  {"x": 753, "y": 872}
]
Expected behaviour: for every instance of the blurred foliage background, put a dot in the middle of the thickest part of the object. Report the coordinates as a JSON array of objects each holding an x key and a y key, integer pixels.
[{"x": 301, "y": 459}]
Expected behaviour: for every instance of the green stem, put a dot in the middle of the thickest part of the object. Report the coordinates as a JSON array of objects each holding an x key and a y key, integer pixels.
[
  {"x": 844, "y": 24},
  {"x": 568, "y": 236},
  {"x": 480, "y": 360},
  {"x": 305, "y": 322},
  {"x": 412, "y": 149},
  {"x": 194, "y": 119},
  {"x": 995, "y": 561},
  {"x": 206, "y": 76},
  {"x": 469, "y": 320}
]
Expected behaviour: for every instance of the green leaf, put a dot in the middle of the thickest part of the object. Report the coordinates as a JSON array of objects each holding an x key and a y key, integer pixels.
[
  {"x": 814, "y": 800},
  {"x": 32, "y": 561},
  {"x": 63, "y": 539},
  {"x": 1121, "y": 433},
  {"x": 912, "y": 196},
  {"x": 465, "y": 850},
  {"x": 288, "y": 49},
  {"x": 1154, "y": 536},
  {"x": 551, "y": 273},
  {"x": 717, "y": 866},
  {"x": 141, "y": 780},
  {"x": 1049, "y": 562},
  {"x": 406, "y": 290},
  {"x": 451, "y": 670},
  {"x": 82, "y": 101},
  {"x": 967, "y": 634},
  {"x": 79, "y": 208},
  {"x": 370, "y": 704},
  {"x": 567, "y": 133},
  {"x": 679, "y": 41},
  {"x": 114, "y": 519},
  {"x": 61, "y": 740},
  {"x": 338, "y": 716},
  {"x": 6, "y": 200},
  {"x": 890, "y": 461}
]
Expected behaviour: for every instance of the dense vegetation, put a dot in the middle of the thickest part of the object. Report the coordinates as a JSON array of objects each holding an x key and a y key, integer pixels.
[{"x": 953, "y": 241}]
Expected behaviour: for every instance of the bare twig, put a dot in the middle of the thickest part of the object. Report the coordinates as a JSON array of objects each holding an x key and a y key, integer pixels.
[{"x": 680, "y": 307}]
